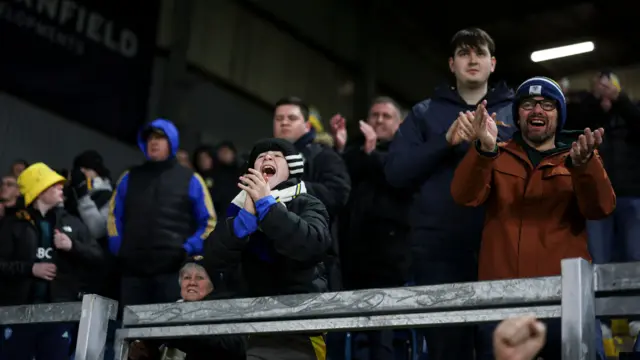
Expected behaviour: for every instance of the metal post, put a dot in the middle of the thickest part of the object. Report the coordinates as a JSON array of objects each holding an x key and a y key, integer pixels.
[
  {"x": 94, "y": 320},
  {"x": 578, "y": 310}
]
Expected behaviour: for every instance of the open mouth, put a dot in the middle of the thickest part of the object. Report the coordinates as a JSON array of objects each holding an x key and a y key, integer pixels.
[
  {"x": 537, "y": 123},
  {"x": 192, "y": 291},
  {"x": 269, "y": 170}
]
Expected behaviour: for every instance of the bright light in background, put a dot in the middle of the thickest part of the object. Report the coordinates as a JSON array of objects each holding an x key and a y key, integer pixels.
[{"x": 562, "y": 51}]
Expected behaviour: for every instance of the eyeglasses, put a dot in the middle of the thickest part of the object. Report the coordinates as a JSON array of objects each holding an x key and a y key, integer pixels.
[{"x": 530, "y": 104}]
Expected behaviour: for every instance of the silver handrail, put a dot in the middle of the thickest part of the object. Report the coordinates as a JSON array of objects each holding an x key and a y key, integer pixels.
[
  {"x": 571, "y": 297},
  {"x": 93, "y": 313}
]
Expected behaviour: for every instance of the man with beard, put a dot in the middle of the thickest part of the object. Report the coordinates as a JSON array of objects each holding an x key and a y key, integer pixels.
[{"x": 539, "y": 189}]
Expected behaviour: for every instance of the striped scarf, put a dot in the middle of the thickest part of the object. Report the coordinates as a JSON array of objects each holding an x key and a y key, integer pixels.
[{"x": 282, "y": 196}]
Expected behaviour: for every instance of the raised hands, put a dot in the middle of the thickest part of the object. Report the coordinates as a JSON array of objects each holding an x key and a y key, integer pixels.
[
  {"x": 255, "y": 184},
  {"x": 461, "y": 129},
  {"x": 485, "y": 128},
  {"x": 582, "y": 149}
]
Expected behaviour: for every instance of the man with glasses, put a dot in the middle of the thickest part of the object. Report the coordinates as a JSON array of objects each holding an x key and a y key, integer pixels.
[{"x": 539, "y": 190}]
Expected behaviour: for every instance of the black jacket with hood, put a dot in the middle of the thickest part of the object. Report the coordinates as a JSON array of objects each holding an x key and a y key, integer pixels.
[{"x": 19, "y": 242}]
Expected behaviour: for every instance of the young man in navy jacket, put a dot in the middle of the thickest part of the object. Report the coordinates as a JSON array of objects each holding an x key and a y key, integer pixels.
[{"x": 424, "y": 154}]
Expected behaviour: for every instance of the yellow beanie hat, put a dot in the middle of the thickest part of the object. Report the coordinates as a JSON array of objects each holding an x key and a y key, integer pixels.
[{"x": 35, "y": 179}]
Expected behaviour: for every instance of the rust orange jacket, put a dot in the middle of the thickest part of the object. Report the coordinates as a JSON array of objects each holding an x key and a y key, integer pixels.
[{"x": 536, "y": 216}]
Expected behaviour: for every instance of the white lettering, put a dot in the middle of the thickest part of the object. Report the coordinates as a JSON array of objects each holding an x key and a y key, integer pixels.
[
  {"x": 71, "y": 16},
  {"x": 44, "y": 253},
  {"x": 128, "y": 43},
  {"x": 93, "y": 27},
  {"x": 50, "y": 6},
  {"x": 67, "y": 10}
]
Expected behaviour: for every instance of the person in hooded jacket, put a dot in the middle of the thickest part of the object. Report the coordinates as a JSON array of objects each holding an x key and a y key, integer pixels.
[
  {"x": 43, "y": 251},
  {"x": 161, "y": 213},
  {"x": 540, "y": 188},
  {"x": 278, "y": 234},
  {"x": 445, "y": 236}
]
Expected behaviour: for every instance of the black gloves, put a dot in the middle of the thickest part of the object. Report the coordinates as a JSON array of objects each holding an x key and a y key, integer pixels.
[{"x": 79, "y": 183}]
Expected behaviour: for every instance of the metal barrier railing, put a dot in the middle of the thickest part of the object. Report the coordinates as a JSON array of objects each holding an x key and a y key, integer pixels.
[
  {"x": 93, "y": 313},
  {"x": 577, "y": 296}
]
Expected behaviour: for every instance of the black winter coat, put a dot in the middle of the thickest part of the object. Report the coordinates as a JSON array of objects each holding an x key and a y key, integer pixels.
[
  {"x": 292, "y": 241},
  {"x": 19, "y": 241}
]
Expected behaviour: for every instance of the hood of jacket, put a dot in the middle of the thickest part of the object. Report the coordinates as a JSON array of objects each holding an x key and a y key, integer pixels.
[
  {"x": 497, "y": 94},
  {"x": 168, "y": 128}
]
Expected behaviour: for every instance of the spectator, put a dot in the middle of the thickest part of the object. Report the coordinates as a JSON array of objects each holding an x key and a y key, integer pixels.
[
  {"x": 539, "y": 188},
  {"x": 91, "y": 189},
  {"x": 220, "y": 170},
  {"x": 183, "y": 158},
  {"x": 161, "y": 213},
  {"x": 278, "y": 234},
  {"x": 424, "y": 154},
  {"x": 9, "y": 194},
  {"x": 374, "y": 228},
  {"x": 615, "y": 238},
  {"x": 195, "y": 285},
  {"x": 18, "y": 167},
  {"x": 43, "y": 251}
]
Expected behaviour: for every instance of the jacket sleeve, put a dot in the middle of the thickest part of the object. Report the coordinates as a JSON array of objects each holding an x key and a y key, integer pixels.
[
  {"x": 224, "y": 248},
  {"x": 471, "y": 184},
  {"x": 85, "y": 248},
  {"x": 593, "y": 189},
  {"x": 204, "y": 215},
  {"x": 415, "y": 154},
  {"x": 93, "y": 216},
  {"x": 116, "y": 211},
  {"x": 10, "y": 268},
  {"x": 332, "y": 184},
  {"x": 303, "y": 237}
]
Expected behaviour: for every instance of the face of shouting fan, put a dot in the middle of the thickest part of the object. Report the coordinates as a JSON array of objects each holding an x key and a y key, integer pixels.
[{"x": 273, "y": 166}]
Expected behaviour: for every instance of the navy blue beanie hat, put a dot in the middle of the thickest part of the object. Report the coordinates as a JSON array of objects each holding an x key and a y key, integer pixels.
[{"x": 545, "y": 87}]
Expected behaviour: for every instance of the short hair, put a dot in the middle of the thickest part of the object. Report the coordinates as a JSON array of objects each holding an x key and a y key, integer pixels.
[
  {"x": 387, "y": 100},
  {"x": 473, "y": 38},
  {"x": 296, "y": 101},
  {"x": 189, "y": 266}
]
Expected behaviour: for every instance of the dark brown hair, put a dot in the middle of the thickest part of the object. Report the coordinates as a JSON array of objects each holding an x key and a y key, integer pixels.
[{"x": 473, "y": 38}]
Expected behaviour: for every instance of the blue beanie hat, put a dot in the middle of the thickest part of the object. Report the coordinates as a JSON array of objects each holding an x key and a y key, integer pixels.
[{"x": 545, "y": 87}]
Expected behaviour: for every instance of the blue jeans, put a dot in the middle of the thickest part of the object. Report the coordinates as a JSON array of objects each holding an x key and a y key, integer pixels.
[
  {"x": 552, "y": 349},
  {"x": 616, "y": 238}
]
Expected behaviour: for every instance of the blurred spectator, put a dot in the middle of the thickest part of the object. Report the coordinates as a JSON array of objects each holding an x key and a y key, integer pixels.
[
  {"x": 424, "y": 154},
  {"x": 219, "y": 167},
  {"x": 277, "y": 234},
  {"x": 374, "y": 228},
  {"x": 43, "y": 251},
  {"x": 91, "y": 190},
  {"x": 18, "y": 167},
  {"x": 161, "y": 213},
  {"x": 195, "y": 285},
  {"x": 183, "y": 158},
  {"x": 608, "y": 106},
  {"x": 9, "y": 194}
]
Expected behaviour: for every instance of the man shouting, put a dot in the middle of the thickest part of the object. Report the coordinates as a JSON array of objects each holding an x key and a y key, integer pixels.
[{"x": 539, "y": 188}]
